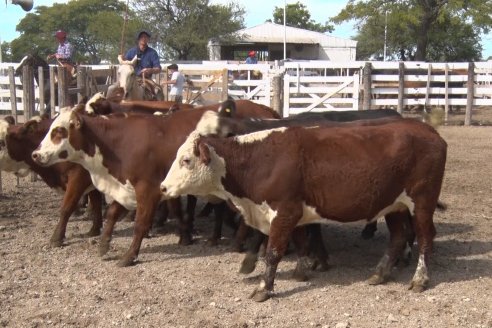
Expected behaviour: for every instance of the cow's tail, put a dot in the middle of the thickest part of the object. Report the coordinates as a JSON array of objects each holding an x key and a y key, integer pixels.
[{"x": 434, "y": 118}]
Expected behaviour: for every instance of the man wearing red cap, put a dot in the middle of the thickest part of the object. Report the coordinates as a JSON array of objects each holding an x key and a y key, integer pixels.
[
  {"x": 251, "y": 58},
  {"x": 65, "y": 50}
]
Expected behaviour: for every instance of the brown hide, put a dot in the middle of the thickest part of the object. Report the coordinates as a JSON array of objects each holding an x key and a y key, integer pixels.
[
  {"x": 72, "y": 178},
  {"x": 140, "y": 149}
]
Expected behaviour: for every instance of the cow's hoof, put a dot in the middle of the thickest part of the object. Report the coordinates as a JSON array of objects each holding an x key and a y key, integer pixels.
[
  {"x": 260, "y": 295},
  {"x": 212, "y": 242},
  {"x": 376, "y": 280},
  {"x": 300, "y": 276},
  {"x": 237, "y": 248},
  {"x": 417, "y": 286},
  {"x": 368, "y": 231},
  {"x": 56, "y": 242},
  {"x": 126, "y": 261},
  {"x": 93, "y": 232},
  {"x": 185, "y": 240},
  {"x": 321, "y": 266},
  {"x": 103, "y": 247},
  {"x": 249, "y": 264}
]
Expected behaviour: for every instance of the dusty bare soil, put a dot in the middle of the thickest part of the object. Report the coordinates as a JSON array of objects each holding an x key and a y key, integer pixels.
[{"x": 199, "y": 286}]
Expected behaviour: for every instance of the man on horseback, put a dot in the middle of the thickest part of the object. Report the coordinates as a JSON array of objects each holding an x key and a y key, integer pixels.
[
  {"x": 64, "y": 52},
  {"x": 147, "y": 64}
]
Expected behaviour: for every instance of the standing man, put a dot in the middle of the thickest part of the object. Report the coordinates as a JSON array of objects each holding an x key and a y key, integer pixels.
[
  {"x": 251, "y": 58},
  {"x": 177, "y": 83},
  {"x": 64, "y": 52}
]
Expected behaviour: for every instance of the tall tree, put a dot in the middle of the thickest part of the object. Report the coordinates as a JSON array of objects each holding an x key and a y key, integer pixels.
[
  {"x": 182, "y": 28},
  {"x": 299, "y": 16},
  {"x": 418, "y": 19},
  {"x": 94, "y": 28}
]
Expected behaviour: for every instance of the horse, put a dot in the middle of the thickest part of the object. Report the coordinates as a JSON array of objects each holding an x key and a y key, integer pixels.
[
  {"x": 133, "y": 87},
  {"x": 36, "y": 61}
]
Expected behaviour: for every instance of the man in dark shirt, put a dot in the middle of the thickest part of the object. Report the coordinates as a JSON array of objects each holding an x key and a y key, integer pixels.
[
  {"x": 148, "y": 59},
  {"x": 147, "y": 64}
]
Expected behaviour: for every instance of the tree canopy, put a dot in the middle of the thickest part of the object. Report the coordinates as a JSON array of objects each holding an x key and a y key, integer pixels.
[
  {"x": 183, "y": 27},
  {"x": 420, "y": 29},
  {"x": 299, "y": 16}
]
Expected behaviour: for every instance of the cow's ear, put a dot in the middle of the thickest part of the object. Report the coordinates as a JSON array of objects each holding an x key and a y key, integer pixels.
[
  {"x": 10, "y": 120},
  {"x": 204, "y": 153},
  {"x": 227, "y": 108},
  {"x": 76, "y": 121},
  {"x": 30, "y": 127}
]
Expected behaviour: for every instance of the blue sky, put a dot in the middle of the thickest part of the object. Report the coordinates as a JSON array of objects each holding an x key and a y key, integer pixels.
[{"x": 257, "y": 11}]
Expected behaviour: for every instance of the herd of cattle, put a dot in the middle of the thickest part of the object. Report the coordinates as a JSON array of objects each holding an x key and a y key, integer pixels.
[{"x": 284, "y": 176}]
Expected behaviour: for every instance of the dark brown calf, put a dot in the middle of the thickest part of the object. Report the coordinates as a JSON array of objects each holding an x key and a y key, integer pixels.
[{"x": 71, "y": 178}]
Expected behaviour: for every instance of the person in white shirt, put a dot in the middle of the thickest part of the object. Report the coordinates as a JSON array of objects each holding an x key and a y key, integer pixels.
[{"x": 177, "y": 83}]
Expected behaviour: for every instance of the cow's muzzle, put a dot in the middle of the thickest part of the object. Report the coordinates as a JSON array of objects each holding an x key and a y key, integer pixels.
[{"x": 40, "y": 158}]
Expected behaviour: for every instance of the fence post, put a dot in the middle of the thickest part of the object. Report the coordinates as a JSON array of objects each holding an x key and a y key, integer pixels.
[
  {"x": 401, "y": 86},
  {"x": 81, "y": 83},
  {"x": 286, "y": 112},
  {"x": 41, "y": 90},
  {"x": 28, "y": 92},
  {"x": 446, "y": 92},
  {"x": 277, "y": 93},
  {"x": 13, "y": 96},
  {"x": 355, "y": 92},
  {"x": 53, "y": 92},
  {"x": 225, "y": 93},
  {"x": 427, "y": 87},
  {"x": 62, "y": 87},
  {"x": 470, "y": 93},
  {"x": 366, "y": 81}
]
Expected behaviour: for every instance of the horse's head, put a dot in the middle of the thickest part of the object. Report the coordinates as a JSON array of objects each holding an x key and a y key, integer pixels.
[
  {"x": 32, "y": 60},
  {"x": 126, "y": 75}
]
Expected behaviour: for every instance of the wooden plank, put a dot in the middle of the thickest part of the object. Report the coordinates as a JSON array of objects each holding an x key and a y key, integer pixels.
[
  {"x": 366, "y": 84},
  {"x": 53, "y": 92},
  {"x": 28, "y": 88},
  {"x": 13, "y": 96},
  {"x": 401, "y": 86},
  {"x": 41, "y": 90},
  {"x": 81, "y": 83},
  {"x": 427, "y": 87},
  {"x": 470, "y": 96},
  {"x": 446, "y": 92},
  {"x": 285, "y": 112},
  {"x": 62, "y": 87},
  {"x": 356, "y": 91}
]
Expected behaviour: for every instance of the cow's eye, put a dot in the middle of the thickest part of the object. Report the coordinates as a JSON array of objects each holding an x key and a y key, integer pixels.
[{"x": 185, "y": 162}]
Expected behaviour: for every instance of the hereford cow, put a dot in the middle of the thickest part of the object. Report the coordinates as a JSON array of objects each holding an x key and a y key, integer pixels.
[
  {"x": 73, "y": 179},
  {"x": 127, "y": 157},
  {"x": 287, "y": 177}
]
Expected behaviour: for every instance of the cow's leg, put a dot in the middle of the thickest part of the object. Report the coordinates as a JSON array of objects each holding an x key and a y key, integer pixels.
[
  {"x": 317, "y": 247},
  {"x": 183, "y": 226},
  {"x": 241, "y": 235},
  {"x": 206, "y": 210},
  {"x": 396, "y": 226},
  {"x": 95, "y": 212},
  {"x": 73, "y": 193},
  {"x": 248, "y": 264},
  {"x": 219, "y": 210},
  {"x": 161, "y": 216},
  {"x": 114, "y": 212},
  {"x": 369, "y": 230},
  {"x": 300, "y": 239},
  {"x": 190, "y": 214},
  {"x": 147, "y": 202},
  {"x": 425, "y": 232},
  {"x": 281, "y": 230}
]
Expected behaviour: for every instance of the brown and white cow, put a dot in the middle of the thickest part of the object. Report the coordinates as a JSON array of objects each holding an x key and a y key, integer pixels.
[
  {"x": 70, "y": 178},
  {"x": 287, "y": 177},
  {"x": 127, "y": 156}
]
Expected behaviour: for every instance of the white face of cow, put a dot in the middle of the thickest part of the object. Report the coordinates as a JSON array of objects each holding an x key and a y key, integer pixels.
[
  {"x": 55, "y": 146},
  {"x": 7, "y": 163},
  {"x": 88, "y": 105},
  {"x": 195, "y": 174}
]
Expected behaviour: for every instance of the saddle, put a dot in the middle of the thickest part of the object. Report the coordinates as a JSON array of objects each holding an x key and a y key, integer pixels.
[{"x": 152, "y": 90}]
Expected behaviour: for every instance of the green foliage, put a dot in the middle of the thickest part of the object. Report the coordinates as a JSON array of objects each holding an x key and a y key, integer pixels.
[
  {"x": 182, "y": 28},
  {"x": 298, "y": 16},
  {"x": 444, "y": 30},
  {"x": 6, "y": 52},
  {"x": 94, "y": 28}
]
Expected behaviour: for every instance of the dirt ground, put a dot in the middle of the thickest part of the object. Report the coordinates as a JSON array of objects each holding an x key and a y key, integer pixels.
[{"x": 199, "y": 286}]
